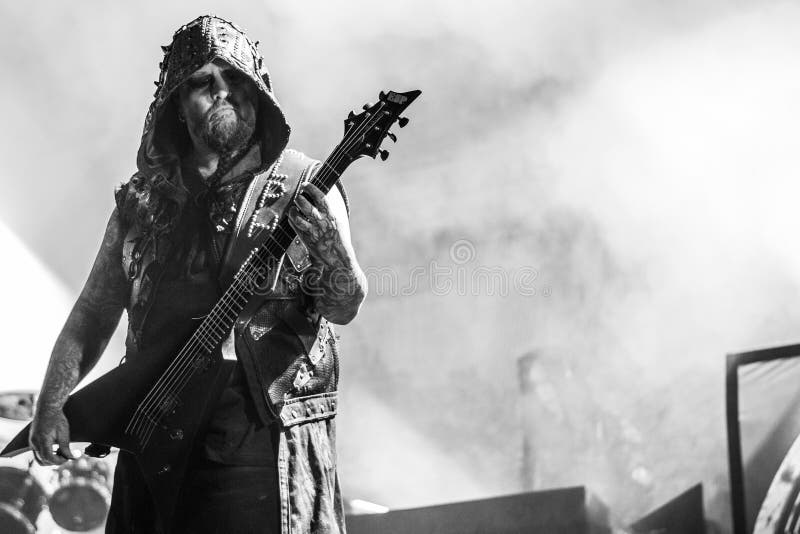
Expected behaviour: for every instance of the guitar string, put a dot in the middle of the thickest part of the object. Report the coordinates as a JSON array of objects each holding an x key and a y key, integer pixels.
[
  {"x": 281, "y": 231},
  {"x": 158, "y": 396},
  {"x": 179, "y": 378},
  {"x": 230, "y": 306},
  {"x": 203, "y": 339},
  {"x": 207, "y": 336},
  {"x": 234, "y": 306}
]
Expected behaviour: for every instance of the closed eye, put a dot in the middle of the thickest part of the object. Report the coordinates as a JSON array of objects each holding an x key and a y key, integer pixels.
[
  {"x": 234, "y": 76},
  {"x": 198, "y": 81}
]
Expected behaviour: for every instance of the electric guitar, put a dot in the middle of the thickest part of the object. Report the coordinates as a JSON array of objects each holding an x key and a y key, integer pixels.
[{"x": 154, "y": 405}]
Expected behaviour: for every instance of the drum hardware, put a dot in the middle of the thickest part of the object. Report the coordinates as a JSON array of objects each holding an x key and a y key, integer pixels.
[
  {"x": 22, "y": 499},
  {"x": 82, "y": 496}
]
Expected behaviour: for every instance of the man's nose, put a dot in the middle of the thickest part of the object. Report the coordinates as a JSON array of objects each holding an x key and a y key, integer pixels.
[{"x": 221, "y": 88}]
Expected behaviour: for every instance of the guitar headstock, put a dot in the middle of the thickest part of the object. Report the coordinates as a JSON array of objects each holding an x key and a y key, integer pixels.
[{"x": 364, "y": 132}]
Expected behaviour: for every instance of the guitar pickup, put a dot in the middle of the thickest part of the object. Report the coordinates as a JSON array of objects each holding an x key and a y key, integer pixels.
[{"x": 168, "y": 404}]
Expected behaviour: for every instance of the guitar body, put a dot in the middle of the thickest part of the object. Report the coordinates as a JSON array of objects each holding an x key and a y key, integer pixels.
[{"x": 99, "y": 413}]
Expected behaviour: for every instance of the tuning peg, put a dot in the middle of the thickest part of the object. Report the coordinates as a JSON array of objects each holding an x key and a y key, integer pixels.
[
  {"x": 402, "y": 121},
  {"x": 391, "y": 136},
  {"x": 351, "y": 115},
  {"x": 365, "y": 107},
  {"x": 382, "y": 96},
  {"x": 384, "y": 154}
]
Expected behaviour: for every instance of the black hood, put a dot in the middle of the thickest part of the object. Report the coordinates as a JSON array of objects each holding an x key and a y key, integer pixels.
[{"x": 199, "y": 42}]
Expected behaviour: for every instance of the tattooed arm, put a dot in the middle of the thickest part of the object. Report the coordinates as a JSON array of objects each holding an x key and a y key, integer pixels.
[
  {"x": 91, "y": 323},
  {"x": 323, "y": 226}
]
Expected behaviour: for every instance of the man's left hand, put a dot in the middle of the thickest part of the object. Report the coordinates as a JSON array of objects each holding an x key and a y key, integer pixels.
[
  {"x": 315, "y": 224},
  {"x": 321, "y": 222}
]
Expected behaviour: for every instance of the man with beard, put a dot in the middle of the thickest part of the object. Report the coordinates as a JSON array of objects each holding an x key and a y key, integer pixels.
[{"x": 214, "y": 142}]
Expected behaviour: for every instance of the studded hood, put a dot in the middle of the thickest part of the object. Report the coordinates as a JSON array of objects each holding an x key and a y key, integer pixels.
[
  {"x": 154, "y": 197},
  {"x": 193, "y": 45}
]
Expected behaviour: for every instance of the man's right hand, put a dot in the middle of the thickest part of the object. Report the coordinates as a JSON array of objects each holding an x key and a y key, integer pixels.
[
  {"x": 49, "y": 428},
  {"x": 90, "y": 324}
]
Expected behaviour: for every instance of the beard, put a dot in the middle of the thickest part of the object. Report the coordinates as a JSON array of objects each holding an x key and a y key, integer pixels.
[{"x": 223, "y": 130}]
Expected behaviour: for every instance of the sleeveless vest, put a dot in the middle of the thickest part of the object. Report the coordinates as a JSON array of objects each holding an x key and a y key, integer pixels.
[{"x": 288, "y": 352}]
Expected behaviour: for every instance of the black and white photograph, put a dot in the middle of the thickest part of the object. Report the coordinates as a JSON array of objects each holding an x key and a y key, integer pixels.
[{"x": 418, "y": 267}]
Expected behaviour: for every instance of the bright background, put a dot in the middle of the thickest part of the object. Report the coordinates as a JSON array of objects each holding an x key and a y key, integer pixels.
[{"x": 639, "y": 156}]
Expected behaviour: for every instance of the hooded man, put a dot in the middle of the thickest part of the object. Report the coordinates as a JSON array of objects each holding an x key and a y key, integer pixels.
[{"x": 214, "y": 141}]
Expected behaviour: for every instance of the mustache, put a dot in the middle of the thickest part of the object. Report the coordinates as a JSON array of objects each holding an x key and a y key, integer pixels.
[{"x": 221, "y": 105}]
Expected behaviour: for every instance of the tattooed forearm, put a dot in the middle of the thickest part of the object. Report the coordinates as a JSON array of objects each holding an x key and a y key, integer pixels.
[
  {"x": 339, "y": 285},
  {"x": 342, "y": 284},
  {"x": 90, "y": 324}
]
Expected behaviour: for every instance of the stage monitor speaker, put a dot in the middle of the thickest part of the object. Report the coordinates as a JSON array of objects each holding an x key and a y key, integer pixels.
[
  {"x": 559, "y": 511},
  {"x": 682, "y": 515}
]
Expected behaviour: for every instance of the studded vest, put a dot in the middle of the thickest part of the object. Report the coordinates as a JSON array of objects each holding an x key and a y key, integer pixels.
[{"x": 287, "y": 350}]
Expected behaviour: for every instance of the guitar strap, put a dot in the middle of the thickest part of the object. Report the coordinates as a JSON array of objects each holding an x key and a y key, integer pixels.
[{"x": 267, "y": 198}]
